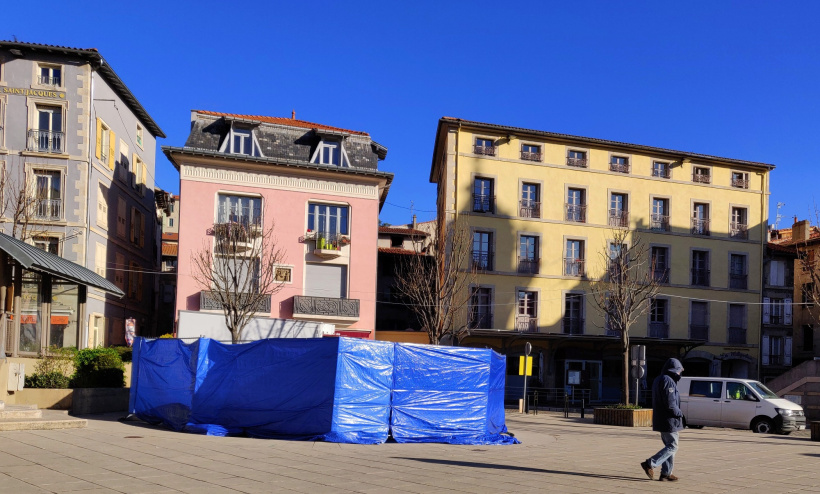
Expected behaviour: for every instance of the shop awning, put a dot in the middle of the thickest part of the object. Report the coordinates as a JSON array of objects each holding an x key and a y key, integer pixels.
[{"x": 37, "y": 260}]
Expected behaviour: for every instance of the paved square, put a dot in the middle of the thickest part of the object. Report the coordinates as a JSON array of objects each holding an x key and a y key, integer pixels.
[{"x": 557, "y": 455}]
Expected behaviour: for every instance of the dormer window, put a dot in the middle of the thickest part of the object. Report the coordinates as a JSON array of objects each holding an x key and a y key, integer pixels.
[
  {"x": 241, "y": 141},
  {"x": 330, "y": 153}
]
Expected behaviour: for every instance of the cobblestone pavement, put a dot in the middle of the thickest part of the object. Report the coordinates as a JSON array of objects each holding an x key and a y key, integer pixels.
[{"x": 557, "y": 455}]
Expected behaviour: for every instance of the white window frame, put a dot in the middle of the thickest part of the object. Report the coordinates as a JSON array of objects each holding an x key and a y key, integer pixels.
[
  {"x": 228, "y": 143},
  {"x": 100, "y": 256},
  {"x": 316, "y": 228},
  {"x": 35, "y": 81},
  {"x": 140, "y": 136},
  {"x": 102, "y": 207},
  {"x": 47, "y": 239},
  {"x": 318, "y": 153},
  {"x": 31, "y": 174},
  {"x": 105, "y": 142}
]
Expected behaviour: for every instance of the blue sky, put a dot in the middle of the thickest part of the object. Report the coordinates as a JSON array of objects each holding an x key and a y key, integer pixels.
[{"x": 734, "y": 79}]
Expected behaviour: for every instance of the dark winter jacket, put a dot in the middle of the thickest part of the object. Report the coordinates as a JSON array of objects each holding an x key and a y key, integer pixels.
[{"x": 666, "y": 414}]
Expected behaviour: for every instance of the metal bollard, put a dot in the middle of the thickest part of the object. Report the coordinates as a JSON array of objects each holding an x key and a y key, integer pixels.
[
  {"x": 566, "y": 406},
  {"x": 582, "y": 408}
]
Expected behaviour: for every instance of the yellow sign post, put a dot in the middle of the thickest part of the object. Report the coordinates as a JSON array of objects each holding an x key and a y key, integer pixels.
[{"x": 524, "y": 364}]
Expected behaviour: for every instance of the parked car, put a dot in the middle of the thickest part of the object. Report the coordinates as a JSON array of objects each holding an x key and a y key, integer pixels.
[{"x": 738, "y": 404}]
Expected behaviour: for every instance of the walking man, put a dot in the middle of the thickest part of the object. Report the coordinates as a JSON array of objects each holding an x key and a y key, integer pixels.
[{"x": 666, "y": 419}]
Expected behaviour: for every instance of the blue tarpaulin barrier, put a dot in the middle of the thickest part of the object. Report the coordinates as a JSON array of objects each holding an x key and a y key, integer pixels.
[{"x": 333, "y": 389}]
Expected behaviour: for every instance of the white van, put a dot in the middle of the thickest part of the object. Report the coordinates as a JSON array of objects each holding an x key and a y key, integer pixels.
[{"x": 737, "y": 403}]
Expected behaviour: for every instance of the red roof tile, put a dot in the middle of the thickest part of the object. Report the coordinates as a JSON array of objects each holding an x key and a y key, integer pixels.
[
  {"x": 403, "y": 231},
  {"x": 396, "y": 250},
  {"x": 282, "y": 121},
  {"x": 170, "y": 236}
]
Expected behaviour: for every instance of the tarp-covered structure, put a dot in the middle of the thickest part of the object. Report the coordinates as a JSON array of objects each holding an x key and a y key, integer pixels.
[{"x": 333, "y": 389}]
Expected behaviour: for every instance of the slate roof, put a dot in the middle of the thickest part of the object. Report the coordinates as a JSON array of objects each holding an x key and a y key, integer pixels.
[
  {"x": 291, "y": 122},
  {"x": 100, "y": 65},
  {"x": 30, "y": 257}
]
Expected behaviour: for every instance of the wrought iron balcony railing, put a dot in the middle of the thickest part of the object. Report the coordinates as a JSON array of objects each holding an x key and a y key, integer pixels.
[
  {"x": 740, "y": 183},
  {"x": 659, "y": 222},
  {"x": 618, "y": 218},
  {"x": 482, "y": 260},
  {"x": 531, "y": 156},
  {"x": 699, "y": 332},
  {"x": 738, "y": 230},
  {"x": 738, "y": 281},
  {"x": 573, "y": 325},
  {"x": 736, "y": 335},
  {"x": 578, "y": 162},
  {"x": 701, "y": 178},
  {"x": 526, "y": 324},
  {"x": 210, "y": 300},
  {"x": 49, "y": 209},
  {"x": 777, "y": 319},
  {"x": 529, "y": 209},
  {"x": 528, "y": 265},
  {"x": 48, "y": 81},
  {"x": 619, "y": 167},
  {"x": 700, "y": 227},
  {"x": 481, "y": 320},
  {"x": 483, "y": 203},
  {"x": 573, "y": 266},
  {"x": 244, "y": 215},
  {"x": 658, "y": 330},
  {"x": 485, "y": 150},
  {"x": 660, "y": 274},
  {"x": 660, "y": 172},
  {"x": 325, "y": 306},
  {"x": 576, "y": 213},
  {"x": 46, "y": 141},
  {"x": 700, "y": 277}
]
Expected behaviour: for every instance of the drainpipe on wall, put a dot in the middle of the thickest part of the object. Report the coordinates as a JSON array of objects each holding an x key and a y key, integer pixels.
[
  {"x": 83, "y": 343},
  {"x": 764, "y": 185}
]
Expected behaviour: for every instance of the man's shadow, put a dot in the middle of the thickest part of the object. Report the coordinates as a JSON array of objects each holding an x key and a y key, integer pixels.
[{"x": 471, "y": 464}]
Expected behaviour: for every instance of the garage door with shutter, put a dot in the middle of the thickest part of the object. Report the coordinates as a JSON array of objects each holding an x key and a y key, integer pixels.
[{"x": 326, "y": 280}]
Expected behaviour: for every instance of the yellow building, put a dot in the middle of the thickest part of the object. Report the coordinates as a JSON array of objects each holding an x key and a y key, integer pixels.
[{"x": 542, "y": 207}]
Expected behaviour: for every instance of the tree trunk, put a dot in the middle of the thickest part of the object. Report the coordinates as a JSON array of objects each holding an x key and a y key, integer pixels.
[{"x": 626, "y": 369}]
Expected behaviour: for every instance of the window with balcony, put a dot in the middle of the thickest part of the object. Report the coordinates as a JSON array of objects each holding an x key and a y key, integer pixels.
[
  {"x": 483, "y": 198},
  {"x": 481, "y": 309},
  {"x": 659, "y": 259},
  {"x": 328, "y": 224},
  {"x": 241, "y": 140},
  {"x": 659, "y": 219},
  {"x": 48, "y": 200},
  {"x": 577, "y": 158},
  {"x": 575, "y": 207},
  {"x": 700, "y": 268},
  {"x": 738, "y": 226},
  {"x": 777, "y": 311},
  {"x": 527, "y": 318},
  {"x": 699, "y": 320},
  {"x": 48, "y": 137},
  {"x": 738, "y": 276},
  {"x": 574, "y": 258},
  {"x": 482, "y": 251},
  {"x": 619, "y": 210},
  {"x": 701, "y": 175},
  {"x": 700, "y": 219},
  {"x": 618, "y": 263},
  {"x": 573, "y": 320},
  {"x": 736, "y": 333},
  {"x": 50, "y": 75},
  {"x": 530, "y": 205},
  {"x": 659, "y": 318},
  {"x": 619, "y": 164},
  {"x": 530, "y": 152},
  {"x": 740, "y": 180},
  {"x": 484, "y": 146},
  {"x": 776, "y": 350},
  {"x": 660, "y": 169},
  {"x": 528, "y": 261}
]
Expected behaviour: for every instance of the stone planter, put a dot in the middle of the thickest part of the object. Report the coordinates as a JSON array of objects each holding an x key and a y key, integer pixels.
[
  {"x": 641, "y": 417},
  {"x": 58, "y": 399},
  {"x": 99, "y": 400}
]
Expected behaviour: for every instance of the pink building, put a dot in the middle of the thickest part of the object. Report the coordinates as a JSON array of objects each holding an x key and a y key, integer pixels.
[{"x": 321, "y": 189}]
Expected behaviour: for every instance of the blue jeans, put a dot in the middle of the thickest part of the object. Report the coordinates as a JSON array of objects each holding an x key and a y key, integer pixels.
[{"x": 666, "y": 456}]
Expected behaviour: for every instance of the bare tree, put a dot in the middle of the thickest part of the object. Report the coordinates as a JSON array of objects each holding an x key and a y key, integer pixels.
[
  {"x": 437, "y": 284},
  {"x": 625, "y": 291},
  {"x": 24, "y": 202},
  {"x": 239, "y": 269}
]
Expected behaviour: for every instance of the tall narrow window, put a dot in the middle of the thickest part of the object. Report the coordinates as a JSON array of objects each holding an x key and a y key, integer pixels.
[
  {"x": 659, "y": 318},
  {"x": 528, "y": 255},
  {"x": 481, "y": 314},
  {"x": 483, "y": 199},
  {"x": 737, "y": 324},
  {"x": 659, "y": 219},
  {"x": 573, "y": 322},
  {"x": 48, "y": 202},
  {"x": 700, "y": 268},
  {"x": 738, "y": 278},
  {"x": 139, "y": 135},
  {"x": 660, "y": 264},
  {"x": 700, "y": 219},
  {"x": 48, "y": 137},
  {"x": 738, "y": 227},
  {"x": 699, "y": 321},
  {"x": 574, "y": 258},
  {"x": 527, "y": 318},
  {"x": 482, "y": 251},
  {"x": 530, "y": 206},
  {"x": 576, "y": 209},
  {"x": 619, "y": 210}
]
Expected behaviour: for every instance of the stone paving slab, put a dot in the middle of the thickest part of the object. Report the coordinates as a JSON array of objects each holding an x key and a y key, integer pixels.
[{"x": 557, "y": 454}]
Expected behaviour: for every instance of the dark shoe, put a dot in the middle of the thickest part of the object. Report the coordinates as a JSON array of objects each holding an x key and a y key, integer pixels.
[
  {"x": 668, "y": 478},
  {"x": 650, "y": 472}
]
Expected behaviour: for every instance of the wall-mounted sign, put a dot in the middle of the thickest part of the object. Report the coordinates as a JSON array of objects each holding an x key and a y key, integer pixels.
[{"x": 42, "y": 93}]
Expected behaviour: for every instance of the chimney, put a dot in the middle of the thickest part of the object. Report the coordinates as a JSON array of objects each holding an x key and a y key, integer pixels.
[
  {"x": 800, "y": 230},
  {"x": 414, "y": 222},
  {"x": 293, "y": 115}
]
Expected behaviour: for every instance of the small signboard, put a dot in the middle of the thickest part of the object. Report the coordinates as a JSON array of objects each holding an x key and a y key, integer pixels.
[
  {"x": 574, "y": 377},
  {"x": 521, "y": 366}
]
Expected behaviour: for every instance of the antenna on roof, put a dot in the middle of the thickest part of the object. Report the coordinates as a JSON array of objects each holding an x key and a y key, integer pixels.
[
  {"x": 779, "y": 216},
  {"x": 15, "y": 37}
]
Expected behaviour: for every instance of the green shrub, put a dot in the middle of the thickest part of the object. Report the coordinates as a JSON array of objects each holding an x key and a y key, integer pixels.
[
  {"x": 98, "y": 368},
  {"x": 627, "y": 406},
  {"x": 51, "y": 380},
  {"x": 124, "y": 351}
]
